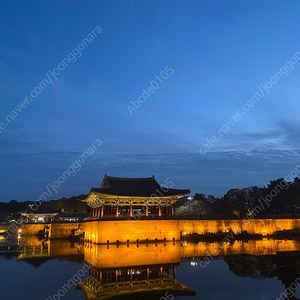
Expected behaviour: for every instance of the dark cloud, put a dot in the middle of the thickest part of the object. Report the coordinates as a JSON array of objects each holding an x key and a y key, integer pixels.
[{"x": 26, "y": 176}]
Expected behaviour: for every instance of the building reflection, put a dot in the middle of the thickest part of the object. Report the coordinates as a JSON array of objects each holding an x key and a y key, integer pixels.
[
  {"x": 139, "y": 271},
  {"x": 134, "y": 281},
  {"x": 38, "y": 251},
  {"x": 148, "y": 270}
]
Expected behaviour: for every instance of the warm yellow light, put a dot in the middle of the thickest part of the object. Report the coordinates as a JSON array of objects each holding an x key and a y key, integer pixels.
[{"x": 264, "y": 231}]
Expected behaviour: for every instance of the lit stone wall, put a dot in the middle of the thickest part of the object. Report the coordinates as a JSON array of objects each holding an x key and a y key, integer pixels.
[
  {"x": 122, "y": 230},
  {"x": 62, "y": 230},
  {"x": 32, "y": 229},
  {"x": 57, "y": 230},
  {"x": 254, "y": 226},
  {"x": 99, "y": 232}
]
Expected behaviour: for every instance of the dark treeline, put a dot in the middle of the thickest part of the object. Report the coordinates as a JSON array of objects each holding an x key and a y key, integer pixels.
[
  {"x": 11, "y": 210},
  {"x": 278, "y": 198}
]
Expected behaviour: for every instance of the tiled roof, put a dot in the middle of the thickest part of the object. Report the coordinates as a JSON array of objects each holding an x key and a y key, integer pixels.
[{"x": 136, "y": 187}]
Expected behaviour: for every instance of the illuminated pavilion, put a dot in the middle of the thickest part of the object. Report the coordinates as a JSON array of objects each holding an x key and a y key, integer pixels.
[
  {"x": 40, "y": 215},
  {"x": 126, "y": 197}
]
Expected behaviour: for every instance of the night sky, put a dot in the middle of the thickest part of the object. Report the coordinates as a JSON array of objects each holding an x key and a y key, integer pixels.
[{"x": 144, "y": 88}]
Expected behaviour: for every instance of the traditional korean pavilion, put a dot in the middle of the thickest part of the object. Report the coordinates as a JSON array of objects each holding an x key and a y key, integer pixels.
[
  {"x": 126, "y": 197},
  {"x": 42, "y": 214}
]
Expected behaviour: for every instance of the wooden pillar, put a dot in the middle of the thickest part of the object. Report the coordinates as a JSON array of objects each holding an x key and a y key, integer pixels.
[
  {"x": 117, "y": 210},
  {"x": 159, "y": 210},
  {"x": 100, "y": 277},
  {"x": 174, "y": 272},
  {"x": 161, "y": 272},
  {"x": 147, "y": 274},
  {"x": 146, "y": 210},
  {"x": 172, "y": 210},
  {"x": 130, "y": 210},
  {"x": 117, "y": 273},
  {"x": 102, "y": 210},
  {"x": 130, "y": 275}
]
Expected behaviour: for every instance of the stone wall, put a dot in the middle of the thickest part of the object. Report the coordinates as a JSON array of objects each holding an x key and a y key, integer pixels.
[
  {"x": 56, "y": 230},
  {"x": 62, "y": 230},
  {"x": 32, "y": 229},
  {"x": 254, "y": 226},
  {"x": 99, "y": 232}
]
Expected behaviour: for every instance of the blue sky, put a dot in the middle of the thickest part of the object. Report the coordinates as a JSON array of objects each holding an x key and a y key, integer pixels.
[{"x": 220, "y": 51}]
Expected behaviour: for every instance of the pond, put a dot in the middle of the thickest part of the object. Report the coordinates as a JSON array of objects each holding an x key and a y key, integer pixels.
[{"x": 255, "y": 269}]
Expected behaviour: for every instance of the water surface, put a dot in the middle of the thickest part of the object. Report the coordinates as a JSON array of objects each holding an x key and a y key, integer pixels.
[{"x": 239, "y": 270}]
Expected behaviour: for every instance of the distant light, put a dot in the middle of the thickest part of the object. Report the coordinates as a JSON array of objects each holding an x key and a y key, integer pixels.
[
  {"x": 40, "y": 218},
  {"x": 193, "y": 263},
  {"x": 190, "y": 198}
]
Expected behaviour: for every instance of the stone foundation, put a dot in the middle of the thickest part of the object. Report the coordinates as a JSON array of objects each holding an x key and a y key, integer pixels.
[{"x": 123, "y": 231}]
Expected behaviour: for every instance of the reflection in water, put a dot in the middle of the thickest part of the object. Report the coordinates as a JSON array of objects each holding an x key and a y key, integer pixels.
[
  {"x": 36, "y": 252},
  {"x": 140, "y": 281},
  {"x": 286, "y": 267},
  {"x": 145, "y": 270},
  {"x": 148, "y": 270},
  {"x": 252, "y": 247}
]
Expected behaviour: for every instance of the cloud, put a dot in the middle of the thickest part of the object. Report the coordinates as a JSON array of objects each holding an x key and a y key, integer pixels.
[{"x": 26, "y": 176}]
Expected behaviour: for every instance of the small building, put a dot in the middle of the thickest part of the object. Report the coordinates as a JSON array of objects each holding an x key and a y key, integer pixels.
[
  {"x": 41, "y": 215},
  {"x": 127, "y": 197},
  {"x": 72, "y": 217}
]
